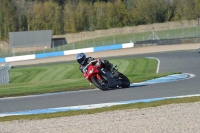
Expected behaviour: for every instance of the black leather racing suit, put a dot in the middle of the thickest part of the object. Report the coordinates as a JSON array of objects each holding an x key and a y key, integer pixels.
[{"x": 104, "y": 64}]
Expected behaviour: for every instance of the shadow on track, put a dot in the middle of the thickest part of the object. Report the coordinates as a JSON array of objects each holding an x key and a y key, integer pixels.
[{"x": 131, "y": 86}]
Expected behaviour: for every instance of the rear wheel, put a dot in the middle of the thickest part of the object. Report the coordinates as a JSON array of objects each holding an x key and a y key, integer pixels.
[
  {"x": 99, "y": 83},
  {"x": 125, "y": 81}
]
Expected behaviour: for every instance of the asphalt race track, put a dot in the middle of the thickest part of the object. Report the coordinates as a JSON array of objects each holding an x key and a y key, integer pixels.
[{"x": 179, "y": 61}]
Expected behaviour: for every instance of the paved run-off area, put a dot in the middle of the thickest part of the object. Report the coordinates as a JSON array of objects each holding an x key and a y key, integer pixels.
[{"x": 170, "y": 118}]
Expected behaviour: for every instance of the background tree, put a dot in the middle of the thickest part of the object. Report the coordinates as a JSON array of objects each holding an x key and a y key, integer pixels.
[
  {"x": 197, "y": 8},
  {"x": 91, "y": 18},
  {"x": 185, "y": 9},
  {"x": 128, "y": 4},
  {"x": 70, "y": 18},
  {"x": 121, "y": 13},
  {"x": 110, "y": 18},
  {"x": 116, "y": 14},
  {"x": 46, "y": 17},
  {"x": 81, "y": 16},
  {"x": 20, "y": 6},
  {"x": 100, "y": 11},
  {"x": 7, "y": 18},
  {"x": 142, "y": 11},
  {"x": 29, "y": 13},
  {"x": 170, "y": 11},
  {"x": 159, "y": 11}
]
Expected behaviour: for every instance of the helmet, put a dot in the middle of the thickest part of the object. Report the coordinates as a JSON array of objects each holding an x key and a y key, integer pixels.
[{"x": 81, "y": 57}]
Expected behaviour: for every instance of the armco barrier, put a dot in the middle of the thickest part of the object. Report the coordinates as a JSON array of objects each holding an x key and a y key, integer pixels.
[
  {"x": 20, "y": 58},
  {"x": 67, "y": 52},
  {"x": 47, "y": 55},
  {"x": 2, "y": 60},
  {"x": 127, "y": 45},
  {"x": 109, "y": 47},
  {"x": 76, "y": 51}
]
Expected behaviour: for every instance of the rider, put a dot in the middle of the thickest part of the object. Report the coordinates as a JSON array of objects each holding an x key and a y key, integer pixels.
[{"x": 83, "y": 61}]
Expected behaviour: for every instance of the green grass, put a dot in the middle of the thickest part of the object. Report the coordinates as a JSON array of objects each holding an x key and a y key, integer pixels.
[
  {"x": 105, "y": 109},
  {"x": 67, "y": 77}
]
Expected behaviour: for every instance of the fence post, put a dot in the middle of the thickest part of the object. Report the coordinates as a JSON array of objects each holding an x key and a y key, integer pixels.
[
  {"x": 53, "y": 46},
  {"x": 168, "y": 33},
  {"x": 183, "y": 32},
  {"x": 93, "y": 40},
  {"x": 13, "y": 51},
  {"x": 113, "y": 37}
]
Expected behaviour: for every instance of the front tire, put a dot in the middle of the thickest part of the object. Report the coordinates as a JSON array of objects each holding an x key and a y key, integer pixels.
[
  {"x": 125, "y": 81},
  {"x": 98, "y": 84}
]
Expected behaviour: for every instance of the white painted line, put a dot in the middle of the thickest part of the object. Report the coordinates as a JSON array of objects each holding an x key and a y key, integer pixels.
[
  {"x": 48, "y": 94},
  {"x": 169, "y": 78},
  {"x": 158, "y": 65}
]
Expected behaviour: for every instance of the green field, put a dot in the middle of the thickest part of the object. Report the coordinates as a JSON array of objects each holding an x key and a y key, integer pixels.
[{"x": 67, "y": 77}]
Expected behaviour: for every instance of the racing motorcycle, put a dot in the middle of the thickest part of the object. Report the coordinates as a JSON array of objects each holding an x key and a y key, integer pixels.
[{"x": 104, "y": 79}]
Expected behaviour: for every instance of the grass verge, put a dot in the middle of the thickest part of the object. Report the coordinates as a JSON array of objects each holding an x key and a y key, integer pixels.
[{"x": 105, "y": 109}]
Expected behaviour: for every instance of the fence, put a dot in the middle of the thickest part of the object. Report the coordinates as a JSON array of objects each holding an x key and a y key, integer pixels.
[
  {"x": 74, "y": 37},
  {"x": 4, "y": 74},
  {"x": 170, "y": 30}
]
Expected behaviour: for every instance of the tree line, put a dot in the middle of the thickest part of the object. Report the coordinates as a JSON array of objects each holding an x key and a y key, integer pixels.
[{"x": 70, "y": 16}]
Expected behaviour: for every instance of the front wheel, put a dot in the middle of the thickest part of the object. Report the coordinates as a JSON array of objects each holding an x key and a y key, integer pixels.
[
  {"x": 99, "y": 83},
  {"x": 125, "y": 81}
]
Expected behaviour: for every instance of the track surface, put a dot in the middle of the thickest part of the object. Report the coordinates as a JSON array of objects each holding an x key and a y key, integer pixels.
[{"x": 182, "y": 61}]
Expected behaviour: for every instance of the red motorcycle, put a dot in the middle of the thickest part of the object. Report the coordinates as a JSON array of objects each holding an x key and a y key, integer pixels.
[{"x": 104, "y": 79}]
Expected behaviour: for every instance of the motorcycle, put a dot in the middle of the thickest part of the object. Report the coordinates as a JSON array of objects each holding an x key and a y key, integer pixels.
[{"x": 104, "y": 79}]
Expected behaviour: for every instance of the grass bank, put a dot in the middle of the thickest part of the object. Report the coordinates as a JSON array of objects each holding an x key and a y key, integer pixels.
[{"x": 67, "y": 77}]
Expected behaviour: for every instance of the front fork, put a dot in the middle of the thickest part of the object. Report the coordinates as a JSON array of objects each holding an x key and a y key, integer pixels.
[{"x": 99, "y": 77}]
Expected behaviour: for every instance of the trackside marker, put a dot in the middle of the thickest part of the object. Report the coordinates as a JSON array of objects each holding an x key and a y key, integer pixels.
[{"x": 158, "y": 66}]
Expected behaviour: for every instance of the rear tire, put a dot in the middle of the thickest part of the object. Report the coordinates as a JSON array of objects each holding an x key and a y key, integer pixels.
[
  {"x": 125, "y": 81},
  {"x": 98, "y": 84}
]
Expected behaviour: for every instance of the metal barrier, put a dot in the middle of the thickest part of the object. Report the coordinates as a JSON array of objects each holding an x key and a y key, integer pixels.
[
  {"x": 5, "y": 74},
  {"x": 67, "y": 52}
]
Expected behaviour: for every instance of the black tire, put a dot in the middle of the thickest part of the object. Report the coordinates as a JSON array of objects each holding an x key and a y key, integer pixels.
[
  {"x": 98, "y": 84},
  {"x": 125, "y": 81}
]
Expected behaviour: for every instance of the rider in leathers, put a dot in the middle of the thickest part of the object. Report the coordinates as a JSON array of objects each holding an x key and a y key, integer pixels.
[{"x": 83, "y": 61}]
